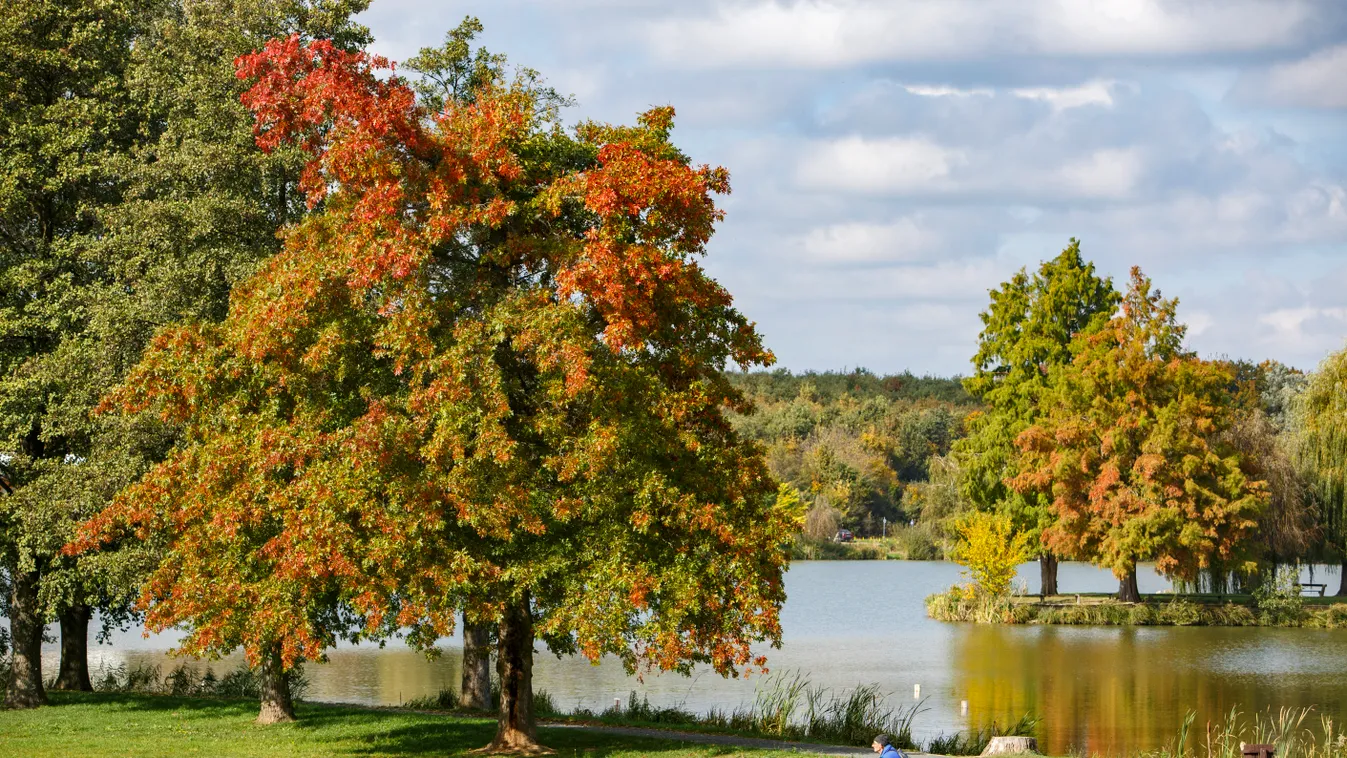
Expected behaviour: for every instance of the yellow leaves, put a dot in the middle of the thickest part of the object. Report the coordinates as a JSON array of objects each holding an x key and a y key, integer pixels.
[{"x": 990, "y": 550}]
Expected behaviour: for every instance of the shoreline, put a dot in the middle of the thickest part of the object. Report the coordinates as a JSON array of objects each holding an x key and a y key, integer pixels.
[{"x": 1157, "y": 609}]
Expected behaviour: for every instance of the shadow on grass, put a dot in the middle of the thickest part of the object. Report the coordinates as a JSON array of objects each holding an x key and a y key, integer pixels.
[{"x": 361, "y": 731}]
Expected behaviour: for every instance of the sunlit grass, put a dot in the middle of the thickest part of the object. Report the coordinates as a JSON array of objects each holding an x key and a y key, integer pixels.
[{"x": 150, "y": 726}]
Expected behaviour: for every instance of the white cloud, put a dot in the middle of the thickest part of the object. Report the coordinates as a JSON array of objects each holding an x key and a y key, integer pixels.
[
  {"x": 903, "y": 240},
  {"x": 822, "y": 33},
  {"x": 1318, "y": 81},
  {"x": 1108, "y": 173},
  {"x": 919, "y": 167},
  {"x": 928, "y": 90},
  {"x": 889, "y": 165},
  {"x": 1289, "y": 322},
  {"x": 1061, "y": 98}
]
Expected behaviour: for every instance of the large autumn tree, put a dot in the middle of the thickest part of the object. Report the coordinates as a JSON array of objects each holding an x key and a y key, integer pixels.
[
  {"x": 1131, "y": 451},
  {"x": 1319, "y": 428},
  {"x": 132, "y": 196},
  {"x": 1027, "y": 333},
  {"x": 487, "y": 378}
]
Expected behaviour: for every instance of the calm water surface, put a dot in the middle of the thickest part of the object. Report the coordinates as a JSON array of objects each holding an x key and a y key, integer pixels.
[{"x": 1105, "y": 690}]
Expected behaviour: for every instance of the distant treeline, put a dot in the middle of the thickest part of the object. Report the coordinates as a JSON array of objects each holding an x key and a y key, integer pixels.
[{"x": 857, "y": 445}]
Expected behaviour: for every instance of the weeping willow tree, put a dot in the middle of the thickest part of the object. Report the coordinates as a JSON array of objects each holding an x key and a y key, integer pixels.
[{"x": 1322, "y": 449}]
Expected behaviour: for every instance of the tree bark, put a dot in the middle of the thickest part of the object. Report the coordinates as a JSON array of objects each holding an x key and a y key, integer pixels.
[
  {"x": 25, "y": 632},
  {"x": 1047, "y": 571},
  {"x": 476, "y": 691},
  {"x": 1342, "y": 581},
  {"x": 1011, "y": 746},
  {"x": 1127, "y": 587},
  {"x": 74, "y": 671},
  {"x": 516, "y": 732},
  {"x": 277, "y": 707}
]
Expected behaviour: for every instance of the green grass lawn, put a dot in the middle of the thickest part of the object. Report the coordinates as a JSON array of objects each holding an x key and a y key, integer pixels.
[{"x": 77, "y": 725}]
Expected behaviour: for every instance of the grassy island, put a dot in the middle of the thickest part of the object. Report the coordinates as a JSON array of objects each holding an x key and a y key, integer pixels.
[{"x": 1162, "y": 609}]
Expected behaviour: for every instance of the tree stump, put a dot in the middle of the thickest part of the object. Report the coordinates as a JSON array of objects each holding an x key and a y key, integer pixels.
[{"x": 1011, "y": 746}]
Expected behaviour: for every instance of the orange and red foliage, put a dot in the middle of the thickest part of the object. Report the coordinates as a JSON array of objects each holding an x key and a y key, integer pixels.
[
  {"x": 1130, "y": 451},
  {"x": 489, "y": 368}
]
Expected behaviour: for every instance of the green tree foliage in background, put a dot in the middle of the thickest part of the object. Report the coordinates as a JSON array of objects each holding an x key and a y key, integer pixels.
[
  {"x": 1027, "y": 332},
  {"x": 65, "y": 114},
  {"x": 854, "y": 443},
  {"x": 132, "y": 197},
  {"x": 1320, "y": 427},
  {"x": 1131, "y": 450}
]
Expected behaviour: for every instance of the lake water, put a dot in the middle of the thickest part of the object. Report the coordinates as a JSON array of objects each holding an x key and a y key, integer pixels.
[{"x": 1106, "y": 690}]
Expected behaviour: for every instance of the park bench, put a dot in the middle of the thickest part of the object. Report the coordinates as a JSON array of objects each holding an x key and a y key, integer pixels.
[{"x": 1313, "y": 587}]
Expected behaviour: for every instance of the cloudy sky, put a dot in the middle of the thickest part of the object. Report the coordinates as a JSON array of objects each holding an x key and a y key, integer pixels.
[{"x": 892, "y": 160}]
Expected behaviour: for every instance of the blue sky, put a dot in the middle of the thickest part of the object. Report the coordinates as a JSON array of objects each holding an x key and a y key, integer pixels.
[{"x": 892, "y": 160}]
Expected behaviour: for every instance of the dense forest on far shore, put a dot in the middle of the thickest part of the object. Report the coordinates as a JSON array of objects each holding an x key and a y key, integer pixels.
[{"x": 867, "y": 452}]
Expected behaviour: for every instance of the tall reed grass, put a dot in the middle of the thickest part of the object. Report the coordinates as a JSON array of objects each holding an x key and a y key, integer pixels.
[
  {"x": 188, "y": 681},
  {"x": 1293, "y": 733}
]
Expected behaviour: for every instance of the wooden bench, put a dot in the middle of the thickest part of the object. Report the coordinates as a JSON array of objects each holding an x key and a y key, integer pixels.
[{"x": 1313, "y": 587}]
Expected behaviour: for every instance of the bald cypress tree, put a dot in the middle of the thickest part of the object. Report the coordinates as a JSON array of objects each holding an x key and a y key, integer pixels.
[{"x": 1027, "y": 331}]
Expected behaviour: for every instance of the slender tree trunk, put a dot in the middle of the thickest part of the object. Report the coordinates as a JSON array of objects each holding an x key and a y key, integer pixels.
[
  {"x": 1047, "y": 571},
  {"x": 74, "y": 671},
  {"x": 1127, "y": 588},
  {"x": 1342, "y": 581},
  {"x": 277, "y": 707},
  {"x": 25, "y": 632},
  {"x": 515, "y": 729},
  {"x": 476, "y": 693}
]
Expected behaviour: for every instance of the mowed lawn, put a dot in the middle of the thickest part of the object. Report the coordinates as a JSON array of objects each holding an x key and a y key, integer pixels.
[{"x": 147, "y": 726}]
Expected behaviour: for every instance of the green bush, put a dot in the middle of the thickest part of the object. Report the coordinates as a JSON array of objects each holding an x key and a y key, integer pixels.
[
  {"x": 1179, "y": 612},
  {"x": 445, "y": 700},
  {"x": 1278, "y": 598},
  {"x": 1140, "y": 614}
]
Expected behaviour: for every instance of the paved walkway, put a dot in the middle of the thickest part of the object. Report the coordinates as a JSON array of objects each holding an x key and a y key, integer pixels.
[{"x": 727, "y": 740}]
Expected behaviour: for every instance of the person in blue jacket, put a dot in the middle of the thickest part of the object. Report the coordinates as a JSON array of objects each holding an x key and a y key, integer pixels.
[{"x": 885, "y": 748}]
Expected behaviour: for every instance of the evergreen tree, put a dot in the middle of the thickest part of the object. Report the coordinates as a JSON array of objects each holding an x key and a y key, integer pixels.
[{"x": 1027, "y": 332}]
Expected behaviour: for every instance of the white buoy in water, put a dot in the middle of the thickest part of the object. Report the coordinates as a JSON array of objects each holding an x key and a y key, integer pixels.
[
  {"x": 916, "y": 692},
  {"x": 963, "y": 707}
]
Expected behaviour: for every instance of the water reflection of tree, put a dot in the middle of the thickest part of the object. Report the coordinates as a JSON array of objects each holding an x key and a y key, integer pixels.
[{"x": 1116, "y": 690}]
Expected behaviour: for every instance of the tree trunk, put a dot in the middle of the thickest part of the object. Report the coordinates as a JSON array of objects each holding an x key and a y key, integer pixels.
[
  {"x": 516, "y": 732},
  {"x": 1127, "y": 588},
  {"x": 1342, "y": 581},
  {"x": 1047, "y": 571},
  {"x": 476, "y": 692},
  {"x": 74, "y": 671},
  {"x": 277, "y": 707},
  {"x": 1011, "y": 746},
  {"x": 25, "y": 632}
]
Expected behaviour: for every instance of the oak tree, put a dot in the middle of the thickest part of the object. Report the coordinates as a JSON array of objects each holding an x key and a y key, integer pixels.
[{"x": 486, "y": 378}]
